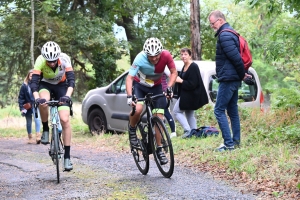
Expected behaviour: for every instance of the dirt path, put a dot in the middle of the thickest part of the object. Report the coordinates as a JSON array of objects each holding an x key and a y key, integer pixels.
[{"x": 28, "y": 173}]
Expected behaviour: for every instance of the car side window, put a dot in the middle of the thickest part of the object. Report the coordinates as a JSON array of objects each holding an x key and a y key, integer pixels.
[
  {"x": 247, "y": 93},
  {"x": 118, "y": 86}
]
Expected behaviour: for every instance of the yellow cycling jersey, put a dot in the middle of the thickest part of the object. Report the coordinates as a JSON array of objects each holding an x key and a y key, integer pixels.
[{"x": 50, "y": 76}]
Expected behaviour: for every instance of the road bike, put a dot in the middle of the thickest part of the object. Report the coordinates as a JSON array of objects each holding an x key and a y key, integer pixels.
[
  {"x": 148, "y": 126},
  {"x": 56, "y": 150}
]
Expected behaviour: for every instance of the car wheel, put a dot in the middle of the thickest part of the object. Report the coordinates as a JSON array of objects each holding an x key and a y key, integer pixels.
[{"x": 97, "y": 122}]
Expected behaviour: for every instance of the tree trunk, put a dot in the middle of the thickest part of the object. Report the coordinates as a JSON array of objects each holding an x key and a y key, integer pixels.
[
  {"x": 195, "y": 29},
  {"x": 32, "y": 34},
  {"x": 127, "y": 23}
]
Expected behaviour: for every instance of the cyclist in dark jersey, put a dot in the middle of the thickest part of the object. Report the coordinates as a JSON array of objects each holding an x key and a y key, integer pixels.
[
  {"x": 145, "y": 75},
  {"x": 57, "y": 78}
]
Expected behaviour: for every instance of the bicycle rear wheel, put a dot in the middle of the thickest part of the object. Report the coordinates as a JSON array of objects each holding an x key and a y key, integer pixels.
[
  {"x": 167, "y": 148},
  {"x": 56, "y": 150},
  {"x": 140, "y": 154}
]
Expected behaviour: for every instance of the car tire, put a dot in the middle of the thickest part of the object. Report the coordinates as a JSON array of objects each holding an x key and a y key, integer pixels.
[{"x": 97, "y": 122}]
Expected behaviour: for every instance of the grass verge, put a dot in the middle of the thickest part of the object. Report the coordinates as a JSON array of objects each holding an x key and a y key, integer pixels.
[{"x": 267, "y": 163}]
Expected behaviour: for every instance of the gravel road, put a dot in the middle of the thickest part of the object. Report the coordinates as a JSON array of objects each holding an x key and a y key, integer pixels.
[{"x": 27, "y": 172}]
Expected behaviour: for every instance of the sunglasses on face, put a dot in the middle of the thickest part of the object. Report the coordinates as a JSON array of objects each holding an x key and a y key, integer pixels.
[{"x": 54, "y": 61}]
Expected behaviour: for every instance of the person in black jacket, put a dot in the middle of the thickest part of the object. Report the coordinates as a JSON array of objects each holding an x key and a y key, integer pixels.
[
  {"x": 191, "y": 93},
  {"x": 230, "y": 72},
  {"x": 26, "y": 97}
]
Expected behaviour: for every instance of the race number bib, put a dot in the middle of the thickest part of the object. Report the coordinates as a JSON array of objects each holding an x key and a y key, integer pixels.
[{"x": 144, "y": 81}]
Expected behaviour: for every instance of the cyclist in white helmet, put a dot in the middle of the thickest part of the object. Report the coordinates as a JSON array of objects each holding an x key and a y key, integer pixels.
[
  {"x": 53, "y": 74},
  {"x": 145, "y": 76}
]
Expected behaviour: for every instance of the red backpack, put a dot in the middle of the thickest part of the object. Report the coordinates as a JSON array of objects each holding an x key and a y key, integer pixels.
[{"x": 244, "y": 49}]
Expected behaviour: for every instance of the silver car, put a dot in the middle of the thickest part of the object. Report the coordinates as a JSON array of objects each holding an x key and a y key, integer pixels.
[{"x": 105, "y": 109}]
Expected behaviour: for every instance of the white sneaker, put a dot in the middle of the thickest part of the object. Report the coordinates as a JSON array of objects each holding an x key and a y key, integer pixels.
[{"x": 173, "y": 135}]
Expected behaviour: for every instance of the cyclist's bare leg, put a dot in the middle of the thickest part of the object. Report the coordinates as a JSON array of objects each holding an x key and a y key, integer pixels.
[
  {"x": 133, "y": 120},
  {"x": 65, "y": 123},
  {"x": 44, "y": 111},
  {"x": 158, "y": 136}
]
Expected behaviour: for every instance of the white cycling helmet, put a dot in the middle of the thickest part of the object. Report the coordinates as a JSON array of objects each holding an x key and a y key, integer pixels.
[
  {"x": 153, "y": 47},
  {"x": 51, "y": 51}
]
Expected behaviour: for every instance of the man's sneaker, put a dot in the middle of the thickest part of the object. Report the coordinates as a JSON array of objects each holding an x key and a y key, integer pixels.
[
  {"x": 161, "y": 156},
  {"x": 173, "y": 134},
  {"x": 67, "y": 164},
  {"x": 45, "y": 137},
  {"x": 222, "y": 148},
  {"x": 186, "y": 134},
  {"x": 132, "y": 136}
]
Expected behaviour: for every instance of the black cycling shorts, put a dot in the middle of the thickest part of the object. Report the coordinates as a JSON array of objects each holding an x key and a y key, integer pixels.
[
  {"x": 56, "y": 91},
  {"x": 159, "y": 103}
]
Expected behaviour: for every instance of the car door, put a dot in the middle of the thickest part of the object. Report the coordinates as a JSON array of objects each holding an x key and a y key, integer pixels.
[{"x": 116, "y": 98}]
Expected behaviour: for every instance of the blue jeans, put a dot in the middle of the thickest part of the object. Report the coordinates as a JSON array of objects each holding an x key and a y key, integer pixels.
[
  {"x": 227, "y": 99},
  {"x": 36, "y": 120}
]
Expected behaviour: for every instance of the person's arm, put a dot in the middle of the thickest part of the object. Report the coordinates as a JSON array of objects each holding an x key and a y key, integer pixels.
[
  {"x": 129, "y": 81},
  {"x": 36, "y": 75},
  {"x": 173, "y": 77},
  {"x": 71, "y": 82},
  {"x": 231, "y": 50},
  {"x": 34, "y": 86},
  {"x": 21, "y": 98}
]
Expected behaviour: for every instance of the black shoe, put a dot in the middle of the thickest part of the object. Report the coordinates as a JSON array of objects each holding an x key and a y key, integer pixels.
[
  {"x": 161, "y": 156},
  {"x": 132, "y": 136}
]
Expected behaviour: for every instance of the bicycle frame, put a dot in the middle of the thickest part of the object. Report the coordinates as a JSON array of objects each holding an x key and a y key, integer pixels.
[
  {"x": 54, "y": 118},
  {"x": 148, "y": 110}
]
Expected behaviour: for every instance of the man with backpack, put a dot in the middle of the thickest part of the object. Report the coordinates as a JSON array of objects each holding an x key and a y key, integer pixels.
[{"x": 230, "y": 72}]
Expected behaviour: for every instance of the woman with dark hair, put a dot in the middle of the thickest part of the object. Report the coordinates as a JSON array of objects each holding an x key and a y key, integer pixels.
[
  {"x": 191, "y": 93},
  {"x": 26, "y": 102}
]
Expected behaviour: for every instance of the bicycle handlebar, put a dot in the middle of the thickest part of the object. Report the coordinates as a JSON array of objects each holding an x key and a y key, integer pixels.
[
  {"x": 54, "y": 103},
  {"x": 148, "y": 97}
]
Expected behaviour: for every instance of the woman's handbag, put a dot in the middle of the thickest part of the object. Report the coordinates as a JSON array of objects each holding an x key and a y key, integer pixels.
[{"x": 27, "y": 106}]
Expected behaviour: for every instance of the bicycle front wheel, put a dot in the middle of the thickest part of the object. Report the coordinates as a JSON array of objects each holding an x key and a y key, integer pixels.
[
  {"x": 140, "y": 154},
  {"x": 56, "y": 150},
  {"x": 161, "y": 133}
]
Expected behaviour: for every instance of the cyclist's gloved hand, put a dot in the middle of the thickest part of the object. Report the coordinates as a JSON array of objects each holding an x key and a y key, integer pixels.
[
  {"x": 64, "y": 99},
  {"x": 169, "y": 92},
  {"x": 40, "y": 101},
  {"x": 130, "y": 100}
]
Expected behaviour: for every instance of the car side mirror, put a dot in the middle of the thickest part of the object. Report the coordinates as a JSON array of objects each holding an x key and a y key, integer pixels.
[{"x": 118, "y": 91}]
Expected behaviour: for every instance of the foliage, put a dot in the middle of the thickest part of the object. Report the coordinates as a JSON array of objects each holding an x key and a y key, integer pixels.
[
  {"x": 285, "y": 98},
  {"x": 274, "y": 7},
  {"x": 80, "y": 35},
  {"x": 270, "y": 78}
]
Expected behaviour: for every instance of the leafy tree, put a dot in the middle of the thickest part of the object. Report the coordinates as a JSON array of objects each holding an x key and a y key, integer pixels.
[{"x": 274, "y": 7}]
